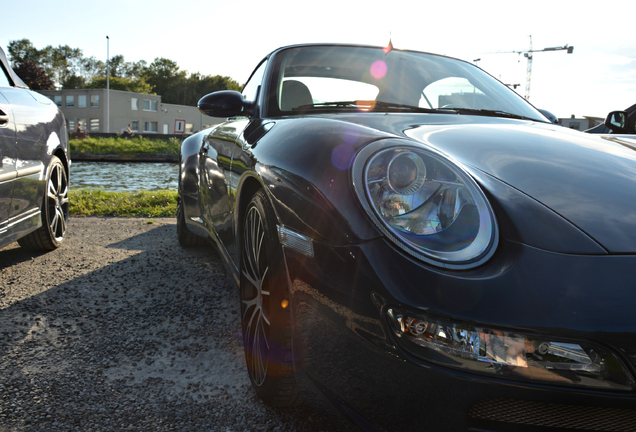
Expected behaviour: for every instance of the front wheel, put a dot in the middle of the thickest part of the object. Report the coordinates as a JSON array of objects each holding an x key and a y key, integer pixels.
[
  {"x": 54, "y": 211},
  {"x": 265, "y": 307}
]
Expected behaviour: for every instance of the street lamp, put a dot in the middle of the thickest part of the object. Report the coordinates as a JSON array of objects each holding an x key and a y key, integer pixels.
[{"x": 107, "y": 84}]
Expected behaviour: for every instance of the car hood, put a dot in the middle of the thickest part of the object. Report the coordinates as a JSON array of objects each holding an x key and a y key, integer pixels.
[{"x": 588, "y": 180}]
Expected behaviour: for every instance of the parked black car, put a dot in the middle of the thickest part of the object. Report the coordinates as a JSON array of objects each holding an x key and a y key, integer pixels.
[
  {"x": 416, "y": 247},
  {"x": 34, "y": 165},
  {"x": 618, "y": 123}
]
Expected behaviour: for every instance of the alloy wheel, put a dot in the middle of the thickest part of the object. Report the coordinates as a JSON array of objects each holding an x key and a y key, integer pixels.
[
  {"x": 57, "y": 202},
  {"x": 255, "y": 296}
]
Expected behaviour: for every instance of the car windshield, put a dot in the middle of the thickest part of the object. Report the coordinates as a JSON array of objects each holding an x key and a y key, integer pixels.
[{"x": 344, "y": 78}]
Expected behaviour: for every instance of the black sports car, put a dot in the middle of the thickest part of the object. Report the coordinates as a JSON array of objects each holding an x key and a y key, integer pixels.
[
  {"x": 34, "y": 165},
  {"x": 621, "y": 123},
  {"x": 416, "y": 247}
]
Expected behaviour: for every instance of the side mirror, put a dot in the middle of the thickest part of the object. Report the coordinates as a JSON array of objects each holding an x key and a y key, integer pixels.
[
  {"x": 547, "y": 114},
  {"x": 225, "y": 103},
  {"x": 617, "y": 121}
]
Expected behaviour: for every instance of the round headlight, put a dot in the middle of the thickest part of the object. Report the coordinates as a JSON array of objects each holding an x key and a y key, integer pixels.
[
  {"x": 406, "y": 173},
  {"x": 427, "y": 204}
]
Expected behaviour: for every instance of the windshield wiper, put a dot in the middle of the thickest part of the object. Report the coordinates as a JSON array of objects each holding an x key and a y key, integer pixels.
[
  {"x": 369, "y": 105},
  {"x": 381, "y": 106},
  {"x": 490, "y": 113}
]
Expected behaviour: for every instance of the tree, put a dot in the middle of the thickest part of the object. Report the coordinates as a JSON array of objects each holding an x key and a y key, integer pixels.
[
  {"x": 122, "y": 83},
  {"x": 135, "y": 70},
  {"x": 22, "y": 50},
  {"x": 58, "y": 62},
  {"x": 165, "y": 78},
  {"x": 68, "y": 68},
  {"x": 33, "y": 75},
  {"x": 117, "y": 66},
  {"x": 91, "y": 68},
  {"x": 74, "y": 82},
  {"x": 197, "y": 86},
  {"x": 62, "y": 61}
]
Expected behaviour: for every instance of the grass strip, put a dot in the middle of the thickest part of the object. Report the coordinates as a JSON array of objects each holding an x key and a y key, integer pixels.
[
  {"x": 97, "y": 202},
  {"x": 118, "y": 145}
]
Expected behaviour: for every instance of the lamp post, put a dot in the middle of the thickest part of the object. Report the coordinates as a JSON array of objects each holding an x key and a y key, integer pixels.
[{"x": 107, "y": 84}]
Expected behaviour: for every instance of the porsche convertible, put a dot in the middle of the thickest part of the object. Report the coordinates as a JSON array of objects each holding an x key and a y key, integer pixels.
[{"x": 416, "y": 247}]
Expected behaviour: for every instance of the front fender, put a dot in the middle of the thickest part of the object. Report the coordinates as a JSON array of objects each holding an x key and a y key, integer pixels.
[
  {"x": 189, "y": 177},
  {"x": 305, "y": 166}
]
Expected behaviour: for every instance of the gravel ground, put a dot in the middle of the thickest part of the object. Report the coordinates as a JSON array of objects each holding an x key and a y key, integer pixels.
[{"x": 122, "y": 329}]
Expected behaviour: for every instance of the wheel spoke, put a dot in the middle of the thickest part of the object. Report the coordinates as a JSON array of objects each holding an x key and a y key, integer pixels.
[
  {"x": 52, "y": 193},
  {"x": 64, "y": 196},
  {"x": 61, "y": 222},
  {"x": 54, "y": 223}
]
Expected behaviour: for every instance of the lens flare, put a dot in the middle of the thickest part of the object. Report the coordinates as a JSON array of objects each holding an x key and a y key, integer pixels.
[
  {"x": 378, "y": 69},
  {"x": 342, "y": 157},
  {"x": 351, "y": 136},
  {"x": 365, "y": 105}
]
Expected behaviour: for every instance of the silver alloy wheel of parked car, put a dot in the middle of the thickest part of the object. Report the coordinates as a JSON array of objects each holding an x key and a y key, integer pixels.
[
  {"x": 55, "y": 211},
  {"x": 57, "y": 201}
]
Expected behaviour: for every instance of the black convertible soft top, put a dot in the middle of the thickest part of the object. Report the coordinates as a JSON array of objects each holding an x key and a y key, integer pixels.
[{"x": 17, "y": 82}]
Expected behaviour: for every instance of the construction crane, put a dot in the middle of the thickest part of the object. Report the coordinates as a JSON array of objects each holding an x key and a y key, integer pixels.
[{"x": 529, "y": 54}]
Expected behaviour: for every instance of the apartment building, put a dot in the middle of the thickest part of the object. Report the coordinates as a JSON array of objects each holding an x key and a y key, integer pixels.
[{"x": 145, "y": 113}]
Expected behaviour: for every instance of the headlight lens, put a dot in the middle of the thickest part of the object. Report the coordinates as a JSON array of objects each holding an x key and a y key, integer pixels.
[
  {"x": 426, "y": 204},
  {"x": 509, "y": 355}
]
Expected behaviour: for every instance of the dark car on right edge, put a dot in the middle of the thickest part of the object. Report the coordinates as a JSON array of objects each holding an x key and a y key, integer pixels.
[{"x": 618, "y": 124}]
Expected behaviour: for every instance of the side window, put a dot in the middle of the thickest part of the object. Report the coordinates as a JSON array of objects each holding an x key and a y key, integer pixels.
[
  {"x": 250, "y": 91},
  {"x": 4, "y": 80}
]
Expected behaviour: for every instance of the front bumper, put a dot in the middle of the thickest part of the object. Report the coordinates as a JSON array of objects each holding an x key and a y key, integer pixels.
[{"x": 346, "y": 352}]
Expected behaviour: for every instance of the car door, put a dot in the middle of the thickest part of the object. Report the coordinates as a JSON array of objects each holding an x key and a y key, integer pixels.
[
  {"x": 32, "y": 140},
  {"x": 8, "y": 156},
  {"x": 218, "y": 185},
  {"x": 214, "y": 171}
]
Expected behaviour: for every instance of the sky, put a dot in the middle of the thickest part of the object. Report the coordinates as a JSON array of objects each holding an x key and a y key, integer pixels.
[{"x": 218, "y": 37}]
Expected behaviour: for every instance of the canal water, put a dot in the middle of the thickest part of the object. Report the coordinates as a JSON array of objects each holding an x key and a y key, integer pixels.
[{"x": 124, "y": 176}]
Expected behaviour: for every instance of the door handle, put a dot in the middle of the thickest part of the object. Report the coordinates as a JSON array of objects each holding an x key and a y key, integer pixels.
[{"x": 4, "y": 119}]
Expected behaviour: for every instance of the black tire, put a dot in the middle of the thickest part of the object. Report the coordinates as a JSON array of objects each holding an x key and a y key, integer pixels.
[
  {"x": 265, "y": 307},
  {"x": 186, "y": 237},
  {"x": 54, "y": 211}
]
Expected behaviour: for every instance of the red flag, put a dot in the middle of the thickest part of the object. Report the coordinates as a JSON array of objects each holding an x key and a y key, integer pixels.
[{"x": 387, "y": 49}]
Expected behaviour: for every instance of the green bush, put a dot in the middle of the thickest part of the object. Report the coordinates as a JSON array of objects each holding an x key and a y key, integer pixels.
[
  {"x": 119, "y": 145},
  {"x": 97, "y": 202}
]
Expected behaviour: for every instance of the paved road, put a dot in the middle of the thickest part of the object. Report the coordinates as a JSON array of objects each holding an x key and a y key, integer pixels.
[{"x": 122, "y": 329}]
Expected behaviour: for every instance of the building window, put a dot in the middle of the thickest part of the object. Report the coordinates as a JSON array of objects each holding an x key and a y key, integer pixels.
[
  {"x": 575, "y": 125},
  {"x": 82, "y": 124},
  {"x": 134, "y": 104},
  {"x": 94, "y": 125},
  {"x": 70, "y": 101},
  {"x": 94, "y": 101},
  {"x": 70, "y": 125},
  {"x": 134, "y": 126},
  {"x": 58, "y": 100},
  {"x": 81, "y": 101},
  {"x": 150, "y": 126},
  {"x": 150, "y": 105}
]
